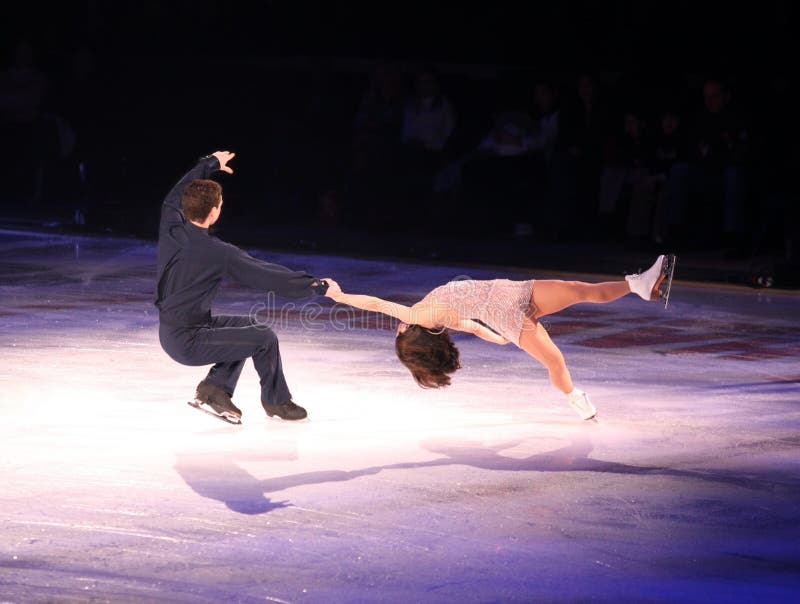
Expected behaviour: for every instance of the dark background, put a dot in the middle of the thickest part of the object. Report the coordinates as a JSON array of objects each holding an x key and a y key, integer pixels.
[{"x": 279, "y": 83}]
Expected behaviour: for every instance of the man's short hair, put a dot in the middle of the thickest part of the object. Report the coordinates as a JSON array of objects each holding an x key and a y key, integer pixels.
[{"x": 199, "y": 196}]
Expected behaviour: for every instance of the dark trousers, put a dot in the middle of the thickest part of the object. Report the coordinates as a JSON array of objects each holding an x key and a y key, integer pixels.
[{"x": 228, "y": 342}]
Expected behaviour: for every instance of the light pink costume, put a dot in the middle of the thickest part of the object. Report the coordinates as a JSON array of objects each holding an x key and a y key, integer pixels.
[{"x": 502, "y": 304}]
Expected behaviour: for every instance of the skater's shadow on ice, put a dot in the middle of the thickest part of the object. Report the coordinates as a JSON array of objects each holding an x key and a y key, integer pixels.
[
  {"x": 218, "y": 477},
  {"x": 242, "y": 492}
]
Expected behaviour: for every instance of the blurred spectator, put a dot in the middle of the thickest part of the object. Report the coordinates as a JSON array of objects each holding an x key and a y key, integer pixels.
[
  {"x": 722, "y": 147},
  {"x": 547, "y": 115},
  {"x": 509, "y": 135},
  {"x": 627, "y": 187},
  {"x": 671, "y": 174},
  {"x": 777, "y": 223},
  {"x": 496, "y": 177},
  {"x": 518, "y": 169},
  {"x": 325, "y": 143},
  {"x": 428, "y": 118},
  {"x": 31, "y": 138},
  {"x": 380, "y": 111},
  {"x": 82, "y": 100},
  {"x": 552, "y": 203},
  {"x": 428, "y": 122},
  {"x": 584, "y": 129},
  {"x": 328, "y": 212},
  {"x": 23, "y": 86},
  {"x": 374, "y": 172}
]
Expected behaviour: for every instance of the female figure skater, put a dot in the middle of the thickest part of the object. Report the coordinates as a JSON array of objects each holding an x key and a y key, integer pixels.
[{"x": 499, "y": 311}]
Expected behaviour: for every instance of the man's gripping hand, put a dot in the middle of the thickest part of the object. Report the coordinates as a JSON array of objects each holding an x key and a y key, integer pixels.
[{"x": 319, "y": 286}]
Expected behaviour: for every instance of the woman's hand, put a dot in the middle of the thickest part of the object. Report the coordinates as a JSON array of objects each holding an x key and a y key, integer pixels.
[{"x": 333, "y": 289}]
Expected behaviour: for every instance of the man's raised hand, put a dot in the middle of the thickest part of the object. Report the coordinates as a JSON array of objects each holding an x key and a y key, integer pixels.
[{"x": 223, "y": 157}]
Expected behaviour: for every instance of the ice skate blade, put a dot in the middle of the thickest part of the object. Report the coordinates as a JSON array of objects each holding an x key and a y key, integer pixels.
[
  {"x": 581, "y": 413},
  {"x": 280, "y": 420},
  {"x": 227, "y": 419},
  {"x": 669, "y": 271}
]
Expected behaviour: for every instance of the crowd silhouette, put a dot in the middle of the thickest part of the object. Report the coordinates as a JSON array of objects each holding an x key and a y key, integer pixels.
[{"x": 648, "y": 160}]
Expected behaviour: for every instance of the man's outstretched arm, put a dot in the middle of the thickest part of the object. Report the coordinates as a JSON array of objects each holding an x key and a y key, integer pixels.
[{"x": 266, "y": 276}]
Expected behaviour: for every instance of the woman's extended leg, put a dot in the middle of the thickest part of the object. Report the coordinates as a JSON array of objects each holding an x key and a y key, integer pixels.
[{"x": 553, "y": 295}]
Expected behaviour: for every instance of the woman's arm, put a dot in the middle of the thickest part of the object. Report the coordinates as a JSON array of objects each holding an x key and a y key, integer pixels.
[
  {"x": 370, "y": 303},
  {"x": 470, "y": 326}
]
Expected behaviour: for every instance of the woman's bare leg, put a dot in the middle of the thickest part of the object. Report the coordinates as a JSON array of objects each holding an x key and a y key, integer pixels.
[
  {"x": 553, "y": 295},
  {"x": 535, "y": 340}
]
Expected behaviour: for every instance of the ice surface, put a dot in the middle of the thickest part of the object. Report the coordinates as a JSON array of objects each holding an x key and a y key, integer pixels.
[{"x": 687, "y": 489}]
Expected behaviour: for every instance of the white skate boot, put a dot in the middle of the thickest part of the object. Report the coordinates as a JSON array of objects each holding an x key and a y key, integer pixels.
[
  {"x": 580, "y": 402},
  {"x": 645, "y": 285}
]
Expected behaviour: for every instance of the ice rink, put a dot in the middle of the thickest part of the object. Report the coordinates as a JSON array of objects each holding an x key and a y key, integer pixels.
[{"x": 686, "y": 489}]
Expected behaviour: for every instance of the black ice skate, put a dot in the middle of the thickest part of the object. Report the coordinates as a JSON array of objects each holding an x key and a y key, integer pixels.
[
  {"x": 288, "y": 411},
  {"x": 215, "y": 401}
]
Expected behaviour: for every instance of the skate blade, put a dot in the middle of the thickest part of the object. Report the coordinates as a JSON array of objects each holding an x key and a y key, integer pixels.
[
  {"x": 580, "y": 414},
  {"x": 669, "y": 271},
  {"x": 278, "y": 418},
  {"x": 226, "y": 418}
]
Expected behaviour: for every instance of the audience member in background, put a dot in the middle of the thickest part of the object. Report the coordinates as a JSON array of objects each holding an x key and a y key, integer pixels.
[
  {"x": 83, "y": 98},
  {"x": 671, "y": 174},
  {"x": 30, "y": 139},
  {"x": 722, "y": 143},
  {"x": 627, "y": 187},
  {"x": 496, "y": 177},
  {"x": 517, "y": 169},
  {"x": 428, "y": 122},
  {"x": 777, "y": 223},
  {"x": 374, "y": 172},
  {"x": 553, "y": 197},
  {"x": 584, "y": 128},
  {"x": 428, "y": 118}
]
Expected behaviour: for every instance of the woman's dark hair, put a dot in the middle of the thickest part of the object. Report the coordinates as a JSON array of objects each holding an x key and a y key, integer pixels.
[
  {"x": 428, "y": 356},
  {"x": 199, "y": 196}
]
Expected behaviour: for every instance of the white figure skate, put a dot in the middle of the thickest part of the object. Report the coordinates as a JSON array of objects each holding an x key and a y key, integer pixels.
[{"x": 648, "y": 284}]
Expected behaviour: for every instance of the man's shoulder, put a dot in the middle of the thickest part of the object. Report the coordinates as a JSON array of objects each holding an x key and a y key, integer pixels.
[
  {"x": 219, "y": 243},
  {"x": 229, "y": 250}
]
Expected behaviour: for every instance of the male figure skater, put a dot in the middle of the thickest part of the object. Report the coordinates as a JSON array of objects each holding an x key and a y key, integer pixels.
[{"x": 191, "y": 266}]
